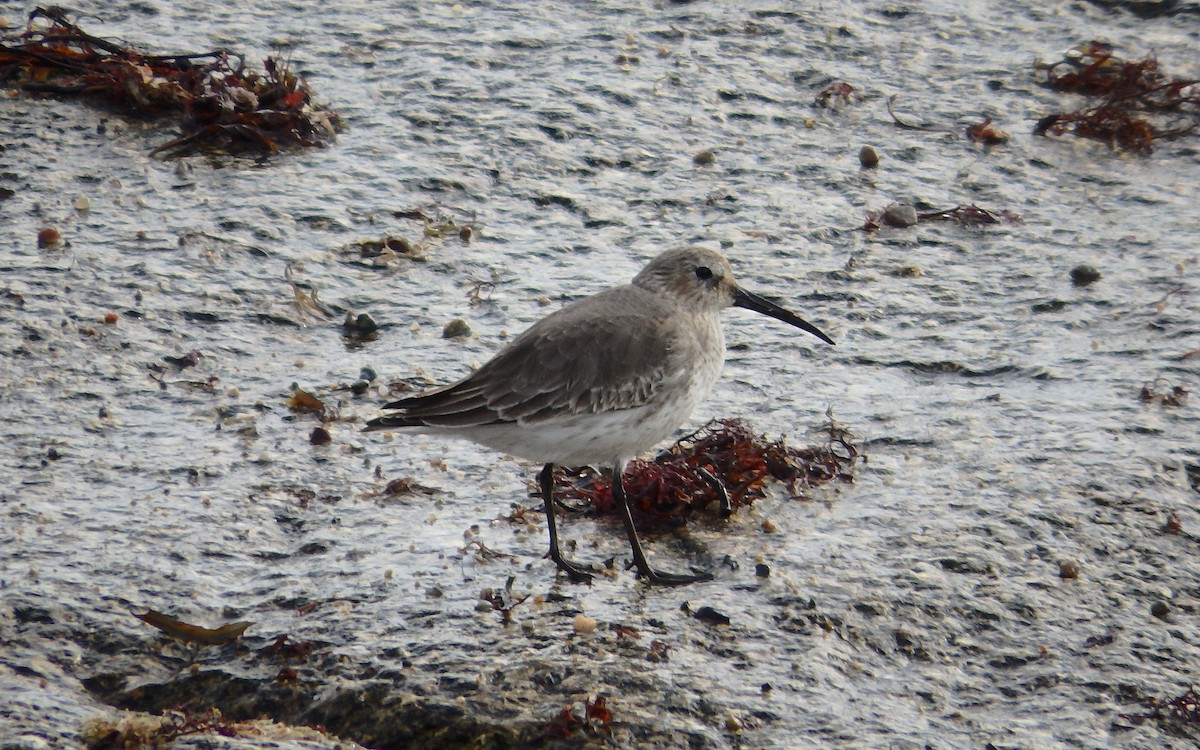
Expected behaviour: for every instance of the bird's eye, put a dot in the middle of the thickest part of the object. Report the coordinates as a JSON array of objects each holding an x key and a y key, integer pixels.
[{"x": 704, "y": 273}]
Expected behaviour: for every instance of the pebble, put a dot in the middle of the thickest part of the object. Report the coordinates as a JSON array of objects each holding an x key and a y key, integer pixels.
[
  {"x": 900, "y": 215},
  {"x": 1160, "y": 610},
  {"x": 704, "y": 158},
  {"x": 359, "y": 324},
  {"x": 456, "y": 329},
  {"x": 49, "y": 237},
  {"x": 584, "y": 624},
  {"x": 868, "y": 157},
  {"x": 1084, "y": 275},
  {"x": 1067, "y": 569}
]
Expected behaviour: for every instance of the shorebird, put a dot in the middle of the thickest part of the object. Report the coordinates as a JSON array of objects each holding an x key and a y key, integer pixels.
[{"x": 599, "y": 381}]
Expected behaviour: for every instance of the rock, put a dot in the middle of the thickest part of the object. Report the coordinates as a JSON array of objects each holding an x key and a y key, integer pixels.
[
  {"x": 359, "y": 325},
  {"x": 1083, "y": 275},
  {"x": 584, "y": 624},
  {"x": 456, "y": 329},
  {"x": 49, "y": 237},
  {"x": 900, "y": 215}
]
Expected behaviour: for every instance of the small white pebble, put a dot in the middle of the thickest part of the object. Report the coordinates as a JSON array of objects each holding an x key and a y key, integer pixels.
[{"x": 584, "y": 624}]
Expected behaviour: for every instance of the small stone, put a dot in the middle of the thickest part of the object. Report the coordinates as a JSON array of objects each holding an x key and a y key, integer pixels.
[
  {"x": 110, "y": 319},
  {"x": 83, "y": 203},
  {"x": 359, "y": 325},
  {"x": 704, "y": 158},
  {"x": 1067, "y": 569},
  {"x": 769, "y": 526},
  {"x": 712, "y": 616},
  {"x": 320, "y": 436},
  {"x": 367, "y": 374},
  {"x": 359, "y": 387},
  {"x": 900, "y": 215},
  {"x": 868, "y": 157},
  {"x": 464, "y": 234},
  {"x": 456, "y": 329},
  {"x": 584, "y": 624},
  {"x": 1160, "y": 610},
  {"x": 762, "y": 570},
  {"x": 1084, "y": 275},
  {"x": 49, "y": 237}
]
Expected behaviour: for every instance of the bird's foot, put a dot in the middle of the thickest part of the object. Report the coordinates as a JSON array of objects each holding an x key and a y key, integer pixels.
[
  {"x": 661, "y": 578},
  {"x": 577, "y": 572}
]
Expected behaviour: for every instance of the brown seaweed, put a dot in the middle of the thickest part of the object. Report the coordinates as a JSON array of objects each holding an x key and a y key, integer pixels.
[{"x": 221, "y": 105}]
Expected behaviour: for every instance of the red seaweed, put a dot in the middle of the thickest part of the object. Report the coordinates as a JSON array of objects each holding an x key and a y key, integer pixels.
[
  {"x": 1127, "y": 94},
  {"x": 735, "y": 458},
  {"x": 221, "y": 105}
]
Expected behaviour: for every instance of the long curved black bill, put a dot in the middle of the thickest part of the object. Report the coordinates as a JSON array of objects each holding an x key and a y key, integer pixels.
[{"x": 751, "y": 301}]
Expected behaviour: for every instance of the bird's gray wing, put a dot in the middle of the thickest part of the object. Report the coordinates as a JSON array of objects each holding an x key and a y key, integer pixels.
[{"x": 607, "y": 352}]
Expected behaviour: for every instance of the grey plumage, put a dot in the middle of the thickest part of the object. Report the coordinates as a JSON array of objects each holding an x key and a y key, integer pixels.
[{"x": 599, "y": 381}]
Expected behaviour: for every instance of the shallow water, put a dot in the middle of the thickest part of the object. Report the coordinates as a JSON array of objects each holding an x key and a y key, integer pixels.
[{"x": 920, "y": 606}]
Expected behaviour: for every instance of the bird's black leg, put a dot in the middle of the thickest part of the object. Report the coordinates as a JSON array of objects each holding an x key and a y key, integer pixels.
[
  {"x": 639, "y": 555},
  {"x": 574, "y": 570},
  {"x": 719, "y": 488}
]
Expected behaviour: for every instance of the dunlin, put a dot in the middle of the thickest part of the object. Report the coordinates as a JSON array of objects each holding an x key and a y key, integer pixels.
[{"x": 599, "y": 381}]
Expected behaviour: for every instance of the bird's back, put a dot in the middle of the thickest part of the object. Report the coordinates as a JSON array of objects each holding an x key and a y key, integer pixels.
[{"x": 625, "y": 360}]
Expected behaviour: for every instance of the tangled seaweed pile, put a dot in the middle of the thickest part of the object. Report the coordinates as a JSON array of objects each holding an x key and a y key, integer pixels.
[
  {"x": 223, "y": 107},
  {"x": 1129, "y": 92},
  {"x": 722, "y": 455}
]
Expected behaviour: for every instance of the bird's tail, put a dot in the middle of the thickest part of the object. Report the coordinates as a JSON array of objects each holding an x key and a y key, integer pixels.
[{"x": 392, "y": 422}]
